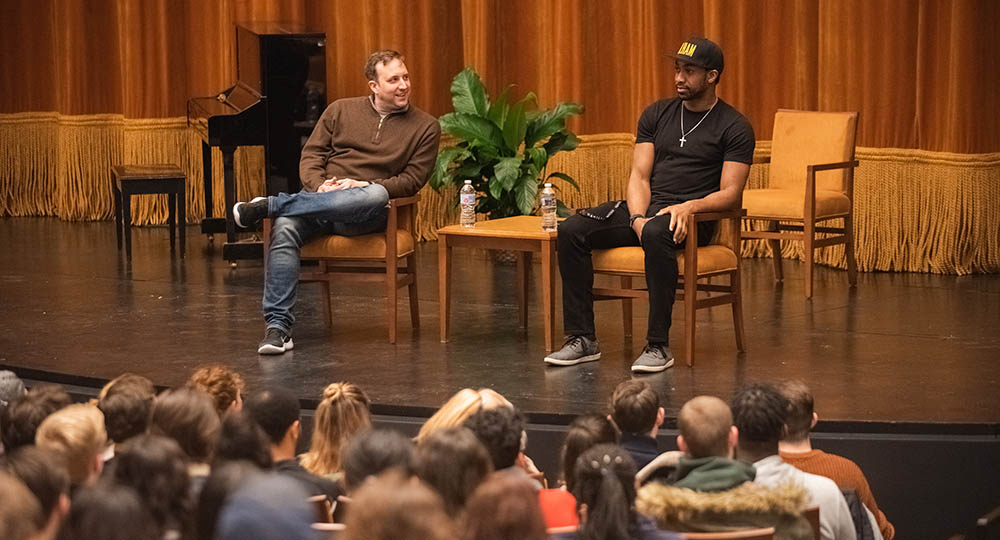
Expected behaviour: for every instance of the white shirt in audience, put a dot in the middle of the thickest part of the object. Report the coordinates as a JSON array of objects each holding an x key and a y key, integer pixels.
[{"x": 835, "y": 521}]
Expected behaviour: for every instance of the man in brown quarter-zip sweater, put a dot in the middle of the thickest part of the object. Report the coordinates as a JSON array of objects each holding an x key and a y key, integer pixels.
[{"x": 362, "y": 152}]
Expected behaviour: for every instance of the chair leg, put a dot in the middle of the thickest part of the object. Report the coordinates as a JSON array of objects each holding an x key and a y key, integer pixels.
[
  {"x": 117, "y": 194},
  {"x": 852, "y": 264},
  {"x": 127, "y": 224},
  {"x": 626, "y": 283},
  {"x": 324, "y": 287},
  {"x": 172, "y": 219},
  {"x": 690, "y": 312},
  {"x": 736, "y": 287},
  {"x": 808, "y": 234},
  {"x": 390, "y": 292},
  {"x": 411, "y": 269},
  {"x": 775, "y": 246}
]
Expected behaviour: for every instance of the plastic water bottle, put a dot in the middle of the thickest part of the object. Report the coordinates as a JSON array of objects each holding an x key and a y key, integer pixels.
[
  {"x": 467, "y": 199},
  {"x": 548, "y": 208}
]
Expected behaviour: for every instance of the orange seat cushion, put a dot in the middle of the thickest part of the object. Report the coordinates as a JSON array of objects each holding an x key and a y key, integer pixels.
[
  {"x": 366, "y": 246},
  {"x": 713, "y": 258},
  {"x": 790, "y": 204}
]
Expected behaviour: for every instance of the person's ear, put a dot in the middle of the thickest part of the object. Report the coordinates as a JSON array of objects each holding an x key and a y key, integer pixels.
[
  {"x": 734, "y": 439},
  {"x": 712, "y": 75},
  {"x": 659, "y": 417},
  {"x": 372, "y": 85},
  {"x": 682, "y": 445},
  {"x": 583, "y": 513},
  {"x": 814, "y": 420}
]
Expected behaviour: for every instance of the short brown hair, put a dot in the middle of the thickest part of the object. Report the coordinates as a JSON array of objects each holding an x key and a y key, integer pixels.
[
  {"x": 705, "y": 423},
  {"x": 187, "y": 416},
  {"x": 634, "y": 407},
  {"x": 453, "y": 462},
  {"x": 504, "y": 506},
  {"x": 380, "y": 57},
  {"x": 20, "y": 512},
  {"x": 800, "y": 409},
  {"x": 220, "y": 382},
  {"x": 391, "y": 507}
]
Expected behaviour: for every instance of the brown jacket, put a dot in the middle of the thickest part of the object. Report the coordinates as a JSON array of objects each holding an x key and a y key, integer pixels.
[{"x": 351, "y": 140}]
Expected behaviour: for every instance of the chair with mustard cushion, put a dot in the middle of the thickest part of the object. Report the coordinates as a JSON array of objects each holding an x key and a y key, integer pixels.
[
  {"x": 810, "y": 182},
  {"x": 745, "y": 534},
  {"x": 364, "y": 258},
  {"x": 696, "y": 266}
]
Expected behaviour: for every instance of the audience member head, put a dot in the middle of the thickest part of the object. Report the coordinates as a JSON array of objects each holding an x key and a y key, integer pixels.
[
  {"x": 20, "y": 513},
  {"x": 223, "y": 482},
  {"x": 635, "y": 408},
  {"x": 706, "y": 428},
  {"x": 392, "y": 507},
  {"x": 462, "y": 405},
  {"x": 108, "y": 511},
  {"x": 23, "y": 415},
  {"x": 187, "y": 416},
  {"x": 504, "y": 507},
  {"x": 153, "y": 465},
  {"x": 276, "y": 411},
  {"x": 801, "y": 417},
  {"x": 759, "y": 414},
  {"x": 77, "y": 433},
  {"x": 42, "y": 472},
  {"x": 268, "y": 506},
  {"x": 583, "y": 433},
  {"x": 242, "y": 439},
  {"x": 604, "y": 488},
  {"x": 223, "y": 384},
  {"x": 343, "y": 413},
  {"x": 11, "y": 387},
  {"x": 453, "y": 462},
  {"x": 126, "y": 402},
  {"x": 373, "y": 452},
  {"x": 500, "y": 431}
]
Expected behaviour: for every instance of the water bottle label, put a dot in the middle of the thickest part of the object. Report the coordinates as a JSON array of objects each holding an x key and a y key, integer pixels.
[
  {"x": 548, "y": 200},
  {"x": 467, "y": 199}
]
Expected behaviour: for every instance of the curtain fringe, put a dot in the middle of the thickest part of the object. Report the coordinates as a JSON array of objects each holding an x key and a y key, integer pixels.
[{"x": 914, "y": 210}]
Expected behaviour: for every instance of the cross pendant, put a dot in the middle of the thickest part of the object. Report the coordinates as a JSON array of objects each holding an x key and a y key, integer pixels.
[{"x": 682, "y": 140}]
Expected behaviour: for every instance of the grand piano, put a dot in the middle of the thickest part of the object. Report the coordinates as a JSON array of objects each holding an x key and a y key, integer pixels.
[{"x": 275, "y": 103}]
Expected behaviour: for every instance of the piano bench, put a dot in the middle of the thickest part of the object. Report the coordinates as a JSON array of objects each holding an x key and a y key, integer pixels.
[{"x": 128, "y": 180}]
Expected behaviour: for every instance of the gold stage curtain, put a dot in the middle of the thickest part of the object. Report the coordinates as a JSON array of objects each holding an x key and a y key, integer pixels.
[{"x": 88, "y": 83}]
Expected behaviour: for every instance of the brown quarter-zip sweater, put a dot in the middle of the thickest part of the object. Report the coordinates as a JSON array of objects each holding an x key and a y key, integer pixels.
[{"x": 351, "y": 140}]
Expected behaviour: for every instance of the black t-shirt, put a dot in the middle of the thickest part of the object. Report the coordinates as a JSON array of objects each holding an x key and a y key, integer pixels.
[{"x": 684, "y": 173}]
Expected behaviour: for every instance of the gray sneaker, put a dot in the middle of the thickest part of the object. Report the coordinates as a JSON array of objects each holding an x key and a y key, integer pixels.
[
  {"x": 654, "y": 358},
  {"x": 576, "y": 350}
]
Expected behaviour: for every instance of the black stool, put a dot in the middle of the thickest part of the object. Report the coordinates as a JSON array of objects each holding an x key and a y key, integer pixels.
[{"x": 128, "y": 180}]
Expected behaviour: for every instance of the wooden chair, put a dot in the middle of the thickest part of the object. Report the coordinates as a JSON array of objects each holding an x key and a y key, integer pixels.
[
  {"x": 810, "y": 181},
  {"x": 364, "y": 258},
  {"x": 812, "y": 516},
  {"x": 720, "y": 258},
  {"x": 748, "y": 534}
]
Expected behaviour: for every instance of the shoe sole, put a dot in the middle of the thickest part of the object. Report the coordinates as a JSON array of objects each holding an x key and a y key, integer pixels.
[
  {"x": 239, "y": 223},
  {"x": 582, "y": 359},
  {"x": 267, "y": 348},
  {"x": 653, "y": 369}
]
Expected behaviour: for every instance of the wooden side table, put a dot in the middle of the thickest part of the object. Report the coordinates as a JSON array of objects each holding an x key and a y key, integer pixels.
[
  {"x": 128, "y": 180},
  {"x": 523, "y": 234}
]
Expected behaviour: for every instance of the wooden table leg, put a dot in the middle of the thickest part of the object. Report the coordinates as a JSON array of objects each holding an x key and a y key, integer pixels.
[
  {"x": 444, "y": 285},
  {"x": 523, "y": 271},
  {"x": 548, "y": 292}
]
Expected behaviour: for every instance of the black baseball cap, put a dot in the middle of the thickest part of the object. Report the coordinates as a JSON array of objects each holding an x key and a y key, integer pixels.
[{"x": 701, "y": 52}]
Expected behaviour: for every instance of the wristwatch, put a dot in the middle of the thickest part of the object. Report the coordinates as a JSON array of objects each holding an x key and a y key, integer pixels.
[{"x": 633, "y": 217}]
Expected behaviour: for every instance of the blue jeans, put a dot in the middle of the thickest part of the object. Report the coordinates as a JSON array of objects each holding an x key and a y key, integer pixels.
[{"x": 302, "y": 216}]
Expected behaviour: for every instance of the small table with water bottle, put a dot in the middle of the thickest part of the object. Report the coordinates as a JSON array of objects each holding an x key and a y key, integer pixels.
[{"x": 523, "y": 234}]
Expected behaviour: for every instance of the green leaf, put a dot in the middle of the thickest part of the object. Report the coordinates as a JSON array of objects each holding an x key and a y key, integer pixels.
[
  {"x": 506, "y": 172},
  {"x": 475, "y": 129},
  {"x": 527, "y": 195},
  {"x": 561, "y": 209},
  {"x": 514, "y": 127},
  {"x": 500, "y": 107},
  {"x": 550, "y": 122},
  {"x": 470, "y": 169},
  {"x": 538, "y": 157},
  {"x": 496, "y": 188},
  {"x": 563, "y": 140},
  {"x": 468, "y": 95},
  {"x": 440, "y": 177},
  {"x": 529, "y": 99},
  {"x": 564, "y": 177}
]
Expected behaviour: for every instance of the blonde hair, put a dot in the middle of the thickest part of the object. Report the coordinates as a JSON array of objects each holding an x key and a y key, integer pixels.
[
  {"x": 343, "y": 413},
  {"x": 77, "y": 433},
  {"x": 465, "y": 403}
]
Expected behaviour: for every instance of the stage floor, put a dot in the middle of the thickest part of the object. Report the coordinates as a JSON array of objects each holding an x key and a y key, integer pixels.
[{"x": 901, "y": 352}]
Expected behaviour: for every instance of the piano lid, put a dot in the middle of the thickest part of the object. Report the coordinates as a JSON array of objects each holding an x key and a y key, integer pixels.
[
  {"x": 232, "y": 101},
  {"x": 282, "y": 28}
]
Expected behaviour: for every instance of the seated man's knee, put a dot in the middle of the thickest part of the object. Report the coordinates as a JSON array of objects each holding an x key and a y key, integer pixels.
[
  {"x": 574, "y": 227},
  {"x": 655, "y": 231},
  {"x": 377, "y": 195},
  {"x": 286, "y": 231}
]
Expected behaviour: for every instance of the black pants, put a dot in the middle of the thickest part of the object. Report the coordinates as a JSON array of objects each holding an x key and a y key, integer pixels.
[{"x": 579, "y": 235}]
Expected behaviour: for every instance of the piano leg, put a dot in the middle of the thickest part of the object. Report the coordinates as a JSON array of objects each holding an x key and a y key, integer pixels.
[
  {"x": 206, "y": 163},
  {"x": 229, "y": 182}
]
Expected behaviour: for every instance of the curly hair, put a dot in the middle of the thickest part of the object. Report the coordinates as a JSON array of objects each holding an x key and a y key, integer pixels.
[{"x": 221, "y": 382}]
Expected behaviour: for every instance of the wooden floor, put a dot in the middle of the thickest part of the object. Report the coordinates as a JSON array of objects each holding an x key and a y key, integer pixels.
[{"x": 901, "y": 352}]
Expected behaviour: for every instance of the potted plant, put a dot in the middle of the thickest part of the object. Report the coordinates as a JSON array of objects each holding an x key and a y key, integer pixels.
[{"x": 504, "y": 147}]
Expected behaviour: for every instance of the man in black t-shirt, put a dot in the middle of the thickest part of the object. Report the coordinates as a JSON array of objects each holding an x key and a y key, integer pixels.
[{"x": 692, "y": 154}]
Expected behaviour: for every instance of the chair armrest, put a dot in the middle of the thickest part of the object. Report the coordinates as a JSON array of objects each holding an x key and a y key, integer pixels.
[
  {"x": 399, "y": 202},
  {"x": 735, "y": 213},
  {"x": 832, "y": 166}
]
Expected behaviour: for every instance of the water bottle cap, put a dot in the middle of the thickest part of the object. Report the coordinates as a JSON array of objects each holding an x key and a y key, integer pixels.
[
  {"x": 468, "y": 181},
  {"x": 548, "y": 184}
]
